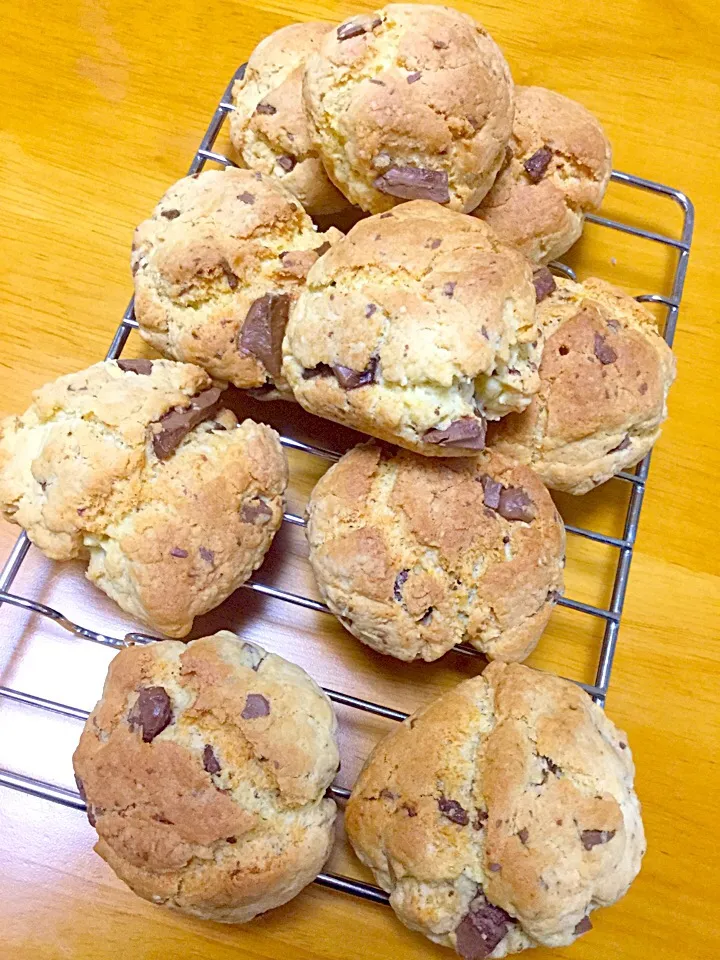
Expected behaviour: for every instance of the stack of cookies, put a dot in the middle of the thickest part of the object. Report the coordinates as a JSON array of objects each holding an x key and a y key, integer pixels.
[{"x": 435, "y": 326}]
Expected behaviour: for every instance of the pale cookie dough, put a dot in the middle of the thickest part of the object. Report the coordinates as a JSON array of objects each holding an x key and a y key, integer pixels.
[
  {"x": 217, "y": 268},
  {"x": 605, "y": 376},
  {"x": 410, "y": 102},
  {"x": 415, "y": 555},
  {"x": 268, "y": 127},
  {"x": 204, "y": 768},
  {"x": 415, "y": 328},
  {"x": 501, "y": 815},
  {"x": 134, "y": 466},
  {"x": 557, "y": 169}
]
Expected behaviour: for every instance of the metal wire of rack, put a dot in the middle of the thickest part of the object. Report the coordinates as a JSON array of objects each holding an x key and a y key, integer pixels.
[{"x": 624, "y": 545}]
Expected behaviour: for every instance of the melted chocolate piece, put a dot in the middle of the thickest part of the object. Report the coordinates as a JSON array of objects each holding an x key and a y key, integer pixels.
[
  {"x": 247, "y": 197},
  {"x": 178, "y": 552},
  {"x": 399, "y": 581},
  {"x": 152, "y": 712},
  {"x": 286, "y": 162},
  {"x": 480, "y": 820},
  {"x": 623, "y": 445},
  {"x": 170, "y": 214},
  {"x": 387, "y": 794},
  {"x": 262, "y": 332},
  {"x": 356, "y": 28},
  {"x": 536, "y": 165},
  {"x": 141, "y": 367},
  {"x": 449, "y": 288},
  {"x": 466, "y": 432},
  {"x": 523, "y": 835},
  {"x": 207, "y": 555},
  {"x": 323, "y": 248},
  {"x": 232, "y": 280},
  {"x": 603, "y": 351},
  {"x": 256, "y": 705},
  {"x": 370, "y": 309},
  {"x": 414, "y": 183},
  {"x": 544, "y": 283},
  {"x": 319, "y": 370},
  {"x": 175, "y": 425},
  {"x": 410, "y": 809},
  {"x": 582, "y": 927},
  {"x": 255, "y": 655},
  {"x": 593, "y": 838},
  {"x": 481, "y": 930},
  {"x": 426, "y": 617},
  {"x": 350, "y": 379},
  {"x": 453, "y": 811},
  {"x": 414, "y": 77},
  {"x": 255, "y": 511},
  {"x": 515, "y": 504},
  {"x": 266, "y": 108},
  {"x": 210, "y": 762}
]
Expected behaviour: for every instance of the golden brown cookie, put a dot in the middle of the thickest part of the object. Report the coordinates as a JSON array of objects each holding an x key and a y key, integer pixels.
[
  {"x": 410, "y": 102},
  {"x": 415, "y": 555},
  {"x": 268, "y": 126},
  {"x": 135, "y": 466},
  {"x": 557, "y": 169},
  {"x": 204, "y": 768},
  {"x": 414, "y": 328},
  {"x": 217, "y": 267},
  {"x": 605, "y": 376},
  {"x": 501, "y": 815}
]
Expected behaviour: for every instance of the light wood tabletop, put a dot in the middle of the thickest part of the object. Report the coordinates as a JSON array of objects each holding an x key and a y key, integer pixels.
[{"x": 102, "y": 105}]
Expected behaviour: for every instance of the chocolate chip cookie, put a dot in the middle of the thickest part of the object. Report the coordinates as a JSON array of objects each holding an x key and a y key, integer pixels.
[
  {"x": 415, "y": 555},
  {"x": 410, "y": 102},
  {"x": 415, "y": 328},
  {"x": 217, "y": 267},
  {"x": 135, "y": 467},
  {"x": 204, "y": 768},
  {"x": 605, "y": 376},
  {"x": 500, "y": 816},
  {"x": 268, "y": 126},
  {"x": 557, "y": 169}
]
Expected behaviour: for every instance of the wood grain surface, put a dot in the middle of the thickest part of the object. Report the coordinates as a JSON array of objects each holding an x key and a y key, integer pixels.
[{"x": 102, "y": 103}]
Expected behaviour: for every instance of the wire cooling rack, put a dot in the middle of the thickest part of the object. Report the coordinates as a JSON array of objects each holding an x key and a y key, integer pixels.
[{"x": 624, "y": 545}]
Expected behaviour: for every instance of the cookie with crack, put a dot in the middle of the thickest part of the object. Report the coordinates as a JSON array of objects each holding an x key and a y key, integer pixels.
[
  {"x": 217, "y": 267},
  {"x": 501, "y": 815},
  {"x": 605, "y": 376},
  {"x": 410, "y": 102},
  {"x": 204, "y": 769},
  {"x": 557, "y": 169},
  {"x": 414, "y": 328},
  {"x": 268, "y": 126},
  {"x": 415, "y": 555},
  {"x": 135, "y": 467}
]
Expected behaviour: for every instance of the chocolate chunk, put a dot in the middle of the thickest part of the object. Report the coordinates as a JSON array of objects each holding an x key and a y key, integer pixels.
[
  {"x": 544, "y": 283},
  {"x": 623, "y": 746},
  {"x": 230, "y": 839},
  {"x": 169, "y": 214},
  {"x": 481, "y": 930},
  {"x": 494, "y": 867},
  {"x": 434, "y": 244},
  {"x": 410, "y": 809},
  {"x": 210, "y": 761},
  {"x": 356, "y": 28},
  {"x": 254, "y": 654},
  {"x": 623, "y": 445},
  {"x": 592, "y": 838},
  {"x": 643, "y": 388},
  {"x": 491, "y": 491},
  {"x": 426, "y": 617},
  {"x": 232, "y": 280},
  {"x": 376, "y": 81},
  {"x": 523, "y": 835},
  {"x": 152, "y": 712},
  {"x": 319, "y": 370},
  {"x": 350, "y": 379},
  {"x": 262, "y": 332},
  {"x": 207, "y": 555},
  {"x": 466, "y": 432},
  {"x": 178, "y": 552},
  {"x": 286, "y": 162},
  {"x": 255, "y": 511},
  {"x": 414, "y": 183},
  {"x": 414, "y": 77},
  {"x": 537, "y": 164},
  {"x": 449, "y": 288},
  {"x": 515, "y": 504},
  {"x": 440, "y": 44},
  {"x": 175, "y": 425},
  {"x": 582, "y": 927},
  {"x": 247, "y": 197},
  {"x": 141, "y": 367},
  {"x": 81, "y": 787},
  {"x": 399, "y": 581},
  {"x": 480, "y": 820},
  {"x": 613, "y": 324},
  {"x": 370, "y": 309},
  {"x": 323, "y": 248},
  {"x": 266, "y": 108},
  {"x": 255, "y": 706},
  {"x": 603, "y": 351},
  {"x": 453, "y": 811}
]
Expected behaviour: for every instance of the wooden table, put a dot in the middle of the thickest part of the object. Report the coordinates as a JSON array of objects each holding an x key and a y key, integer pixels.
[{"x": 103, "y": 103}]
